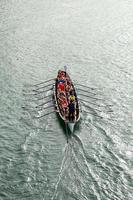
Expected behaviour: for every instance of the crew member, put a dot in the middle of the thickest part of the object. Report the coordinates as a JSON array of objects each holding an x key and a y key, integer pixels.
[
  {"x": 61, "y": 86},
  {"x": 63, "y": 102},
  {"x": 72, "y": 96},
  {"x": 71, "y": 110}
]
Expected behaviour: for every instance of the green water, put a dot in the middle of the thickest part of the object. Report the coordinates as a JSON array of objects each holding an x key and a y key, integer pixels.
[{"x": 95, "y": 40}]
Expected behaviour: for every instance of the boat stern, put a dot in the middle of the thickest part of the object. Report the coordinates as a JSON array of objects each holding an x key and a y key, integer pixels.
[{"x": 71, "y": 126}]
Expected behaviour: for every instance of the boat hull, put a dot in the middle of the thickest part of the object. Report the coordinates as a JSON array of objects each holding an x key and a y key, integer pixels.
[{"x": 65, "y": 117}]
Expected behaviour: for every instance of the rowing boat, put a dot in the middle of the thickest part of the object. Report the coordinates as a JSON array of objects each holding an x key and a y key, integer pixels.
[
  {"x": 62, "y": 101},
  {"x": 61, "y": 94}
]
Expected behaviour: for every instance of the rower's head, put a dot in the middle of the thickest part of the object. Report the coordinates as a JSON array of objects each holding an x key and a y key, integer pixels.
[
  {"x": 62, "y": 94},
  {"x": 71, "y": 92},
  {"x": 59, "y": 71},
  {"x": 63, "y": 73},
  {"x": 71, "y": 101}
]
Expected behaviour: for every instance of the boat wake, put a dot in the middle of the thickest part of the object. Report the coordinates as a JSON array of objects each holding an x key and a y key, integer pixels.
[
  {"x": 62, "y": 169},
  {"x": 75, "y": 174}
]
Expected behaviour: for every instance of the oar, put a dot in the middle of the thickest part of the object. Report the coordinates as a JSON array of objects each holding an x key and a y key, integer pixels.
[
  {"x": 100, "y": 116},
  {"x": 46, "y": 107},
  {"x": 108, "y": 111},
  {"x": 92, "y": 108},
  {"x": 38, "y": 99},
  {"x": 82, "y": 100},
  {"x": 93, "y": 114},
  {"x": 41, "y": 87},
  {"x": 42, "y": 91},
  {"x": 43, "y": 103},
  {"x": 44, "y": 82},
  {"x": 85, "y": 86},
  {"x": 90, "y": 97},
  {"x": 86, "y": 91},
  {"x": 45, "y": 114}
]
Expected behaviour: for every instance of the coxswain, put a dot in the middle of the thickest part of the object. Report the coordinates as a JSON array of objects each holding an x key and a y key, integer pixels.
[{"x": 72, "y": 96}]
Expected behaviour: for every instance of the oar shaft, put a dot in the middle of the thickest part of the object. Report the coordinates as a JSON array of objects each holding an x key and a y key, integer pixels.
[
  {"x": 45, "y": 114},
  {"x": 93, "y": 114},
  {"x": 82, "y": 100},
  {"x": 85, "y": 86},
  {"x": 46, "y": 107},
  {"x": 41, "y": 87},
  {"x": 44, "y": 82},
  {"x": 42, "y": 91},
  {"x": 86, "y": 91},
  {"x": 102, "y": 106},
  {"x": 43, "y": 97},
  {"x": 90, "y": 97},
  {"x": 43, "y": 103},
  {"x": 92, "y": 108}
]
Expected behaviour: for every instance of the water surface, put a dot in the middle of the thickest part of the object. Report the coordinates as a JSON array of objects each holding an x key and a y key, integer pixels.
[{"x": 95, "y": 40}]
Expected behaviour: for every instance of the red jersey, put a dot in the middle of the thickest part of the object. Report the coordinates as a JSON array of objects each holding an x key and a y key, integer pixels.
[{"x": 61, "y": 86}]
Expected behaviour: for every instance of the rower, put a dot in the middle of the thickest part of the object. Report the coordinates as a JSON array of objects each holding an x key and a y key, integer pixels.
[
  {"x": 61, "y": 82},
  {"x": 71, "y": 107},
  {"x": 61, "y": 86},
  {"x": 68, "y": 86},
  {"x": 63, "y": 102},
  {"x": 61, "y": 76}
]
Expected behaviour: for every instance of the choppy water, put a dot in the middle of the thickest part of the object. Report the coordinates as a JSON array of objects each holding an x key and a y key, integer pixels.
[{"x": 95, "y": 39}]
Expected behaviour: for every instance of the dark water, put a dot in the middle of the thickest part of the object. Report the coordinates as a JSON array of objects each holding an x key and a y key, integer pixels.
[{"x": 95, "y": 40}]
